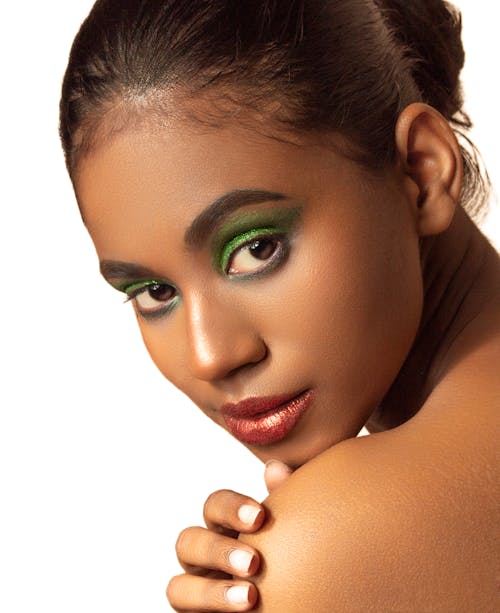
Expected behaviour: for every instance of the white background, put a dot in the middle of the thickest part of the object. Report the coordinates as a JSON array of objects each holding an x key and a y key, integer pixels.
[{"x": 102, "y": 462}]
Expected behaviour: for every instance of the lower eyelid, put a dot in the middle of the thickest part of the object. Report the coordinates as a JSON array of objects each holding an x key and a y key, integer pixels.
[
  {"x": 276, "y": 238},
  {"x": 157, "y": 313},
  {"x": 277, "y": 258},
  {"x": 138, "y": 289}
]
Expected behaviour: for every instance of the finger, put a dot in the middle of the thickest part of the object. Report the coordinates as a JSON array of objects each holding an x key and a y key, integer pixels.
[
  {"x": 227, "y": 510},
  {"x": 199, "y": 549},
  {"x": 186, "y": 592},
  {"x": 275, "y": 473}
]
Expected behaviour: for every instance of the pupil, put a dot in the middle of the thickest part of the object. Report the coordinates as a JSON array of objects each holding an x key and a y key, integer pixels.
[
  {"x": 160, "y": 292},
  {"x": 263, "y": 248}
]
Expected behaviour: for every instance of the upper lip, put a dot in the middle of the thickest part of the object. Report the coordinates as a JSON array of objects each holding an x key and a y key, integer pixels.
[{"x": 250, "y": 407}]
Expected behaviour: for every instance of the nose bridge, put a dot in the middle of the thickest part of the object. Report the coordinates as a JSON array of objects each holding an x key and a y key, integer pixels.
[{"x": 220, "y": 337}]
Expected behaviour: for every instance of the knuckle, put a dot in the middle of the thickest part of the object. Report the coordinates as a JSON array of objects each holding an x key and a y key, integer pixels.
[
  {"x": 224, "y": 557},
  {"x": 216, "y": 553},
  {"x": 220, "y": 498},
  {"x": 215, "y": 598}
]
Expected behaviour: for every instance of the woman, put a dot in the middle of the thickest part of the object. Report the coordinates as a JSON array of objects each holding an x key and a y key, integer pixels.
[{"x": 279, "y": 190}]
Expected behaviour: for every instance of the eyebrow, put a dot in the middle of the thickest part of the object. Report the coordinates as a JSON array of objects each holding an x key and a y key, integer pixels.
[
  {"x": 198, "y": 232},
  {"x": 207, "y": 221},
  {"x": 111, "y": 269}
]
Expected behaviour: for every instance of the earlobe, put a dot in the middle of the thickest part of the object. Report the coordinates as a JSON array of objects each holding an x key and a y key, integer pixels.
[{"x": 430, "y": 155}]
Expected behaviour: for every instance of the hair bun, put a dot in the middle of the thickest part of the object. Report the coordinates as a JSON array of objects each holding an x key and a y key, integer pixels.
[{"x": 431, "y": 32}]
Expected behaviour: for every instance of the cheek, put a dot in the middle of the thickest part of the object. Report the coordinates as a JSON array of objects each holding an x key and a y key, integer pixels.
[
  {"x": 162, "y": 342},
  {"x": 353, "y": 306},
  {"x": 166, "y": 343},
  {"x": 377, "y": 310}
]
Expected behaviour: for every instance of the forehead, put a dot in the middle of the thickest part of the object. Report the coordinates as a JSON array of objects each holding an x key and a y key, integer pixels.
[{"x": 144, "y": 182}]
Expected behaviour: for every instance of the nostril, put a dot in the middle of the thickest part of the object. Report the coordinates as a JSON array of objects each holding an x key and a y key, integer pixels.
[{"x": 251, "y": 358}]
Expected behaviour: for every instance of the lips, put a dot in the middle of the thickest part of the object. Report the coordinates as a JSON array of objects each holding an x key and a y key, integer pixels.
[{"x": 266, "y": 420}]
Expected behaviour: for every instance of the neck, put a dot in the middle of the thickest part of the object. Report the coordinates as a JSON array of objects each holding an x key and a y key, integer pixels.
[{"x": 461, "y": 278}]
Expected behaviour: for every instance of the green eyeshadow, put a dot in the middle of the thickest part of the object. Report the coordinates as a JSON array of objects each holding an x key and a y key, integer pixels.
[
  {"x": 243, "y": 227},
  {"x": 130, "y": 287},
  {"x": 241, "y": 239}
]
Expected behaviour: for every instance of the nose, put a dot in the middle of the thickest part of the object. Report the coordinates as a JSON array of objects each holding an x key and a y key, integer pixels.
[{"x": 221, "y": 340}]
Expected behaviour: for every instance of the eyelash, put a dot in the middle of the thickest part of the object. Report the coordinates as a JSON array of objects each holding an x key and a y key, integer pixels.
[
  {"x": 282, "y": 251},
  {"x": 141, "y": 288}
]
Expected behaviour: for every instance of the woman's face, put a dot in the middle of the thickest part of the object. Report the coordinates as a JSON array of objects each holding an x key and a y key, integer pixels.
[{"x": 279, "y": 274}]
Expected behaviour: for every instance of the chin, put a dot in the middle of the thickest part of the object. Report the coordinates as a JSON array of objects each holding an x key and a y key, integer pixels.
[{"x": 295, "y": 452}]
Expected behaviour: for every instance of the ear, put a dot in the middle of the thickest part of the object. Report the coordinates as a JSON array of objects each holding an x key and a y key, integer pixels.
[{"x": 430, "y": 155}]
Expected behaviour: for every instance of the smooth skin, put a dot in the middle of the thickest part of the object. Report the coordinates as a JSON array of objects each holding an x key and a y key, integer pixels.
[{"x": 392, "y": 298}]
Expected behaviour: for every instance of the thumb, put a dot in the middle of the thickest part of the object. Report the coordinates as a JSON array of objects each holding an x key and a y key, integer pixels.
[{"x": 275, "y": 473}]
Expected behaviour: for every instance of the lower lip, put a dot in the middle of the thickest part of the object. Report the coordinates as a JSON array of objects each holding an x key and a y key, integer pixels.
[{"x": 271, "y": 427}]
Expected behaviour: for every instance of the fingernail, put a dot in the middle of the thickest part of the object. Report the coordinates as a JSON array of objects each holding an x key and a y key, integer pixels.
[
  {"x": 271, "y": 462},
  {"x": 240, "y": 560},
  {"x": 278, "y": 464},
  {"x": 238, "y": 594},
  {"x": 248, "y": 513}
]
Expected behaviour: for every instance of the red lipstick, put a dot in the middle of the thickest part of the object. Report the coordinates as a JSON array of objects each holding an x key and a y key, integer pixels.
[{"x": 267, "y": 420}]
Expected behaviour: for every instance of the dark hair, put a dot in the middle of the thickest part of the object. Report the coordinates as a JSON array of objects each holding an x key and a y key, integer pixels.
[{"x": 305, "y": 66}]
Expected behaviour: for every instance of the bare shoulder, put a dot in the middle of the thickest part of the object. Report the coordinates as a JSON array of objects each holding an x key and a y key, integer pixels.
[{"x": 403, "y": 520}]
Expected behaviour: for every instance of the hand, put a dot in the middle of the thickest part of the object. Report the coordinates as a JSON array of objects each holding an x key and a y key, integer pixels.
[
  {"x": 216, "y": 564},
  {"x": 212, "y": 556}
]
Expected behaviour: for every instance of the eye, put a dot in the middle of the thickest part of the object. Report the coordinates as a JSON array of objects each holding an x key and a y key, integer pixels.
[
  {"x": 152, "y": 299},
  {"x": 257, "y": 254}
]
